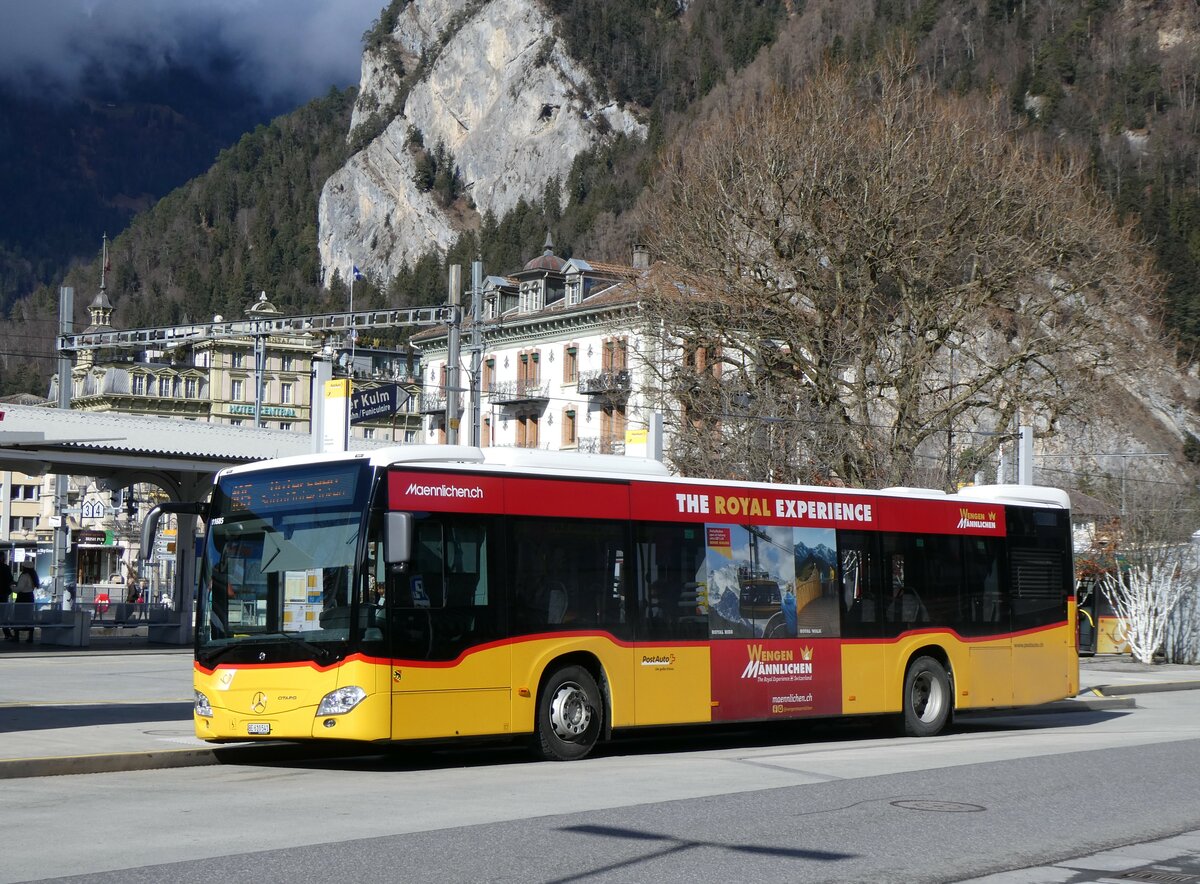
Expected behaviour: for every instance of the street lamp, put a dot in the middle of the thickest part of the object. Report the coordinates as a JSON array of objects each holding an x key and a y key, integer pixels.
[{"x": 258, "y": 311}]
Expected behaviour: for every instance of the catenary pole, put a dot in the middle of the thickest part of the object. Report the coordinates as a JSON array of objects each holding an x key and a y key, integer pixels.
[
  {"x": 455, "y": 343},
  {"x": 476, "y": 352},
  {"x": 62, "y": 533}
]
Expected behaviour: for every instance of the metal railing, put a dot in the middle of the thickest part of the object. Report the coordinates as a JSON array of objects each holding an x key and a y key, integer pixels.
[
  {"x": 601, "y": 445},
  {"x": 519, "y": 391},
  {"x": 608, "y": 382},
  {"x": 431, "y": 403}
]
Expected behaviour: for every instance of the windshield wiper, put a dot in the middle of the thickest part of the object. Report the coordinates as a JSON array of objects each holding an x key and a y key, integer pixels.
[{"x": 213, "y": 654}]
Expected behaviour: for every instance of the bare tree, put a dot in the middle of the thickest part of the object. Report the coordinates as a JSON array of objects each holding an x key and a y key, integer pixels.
[
  {"x": 1153, "y": 578},
  {"x": 883, "y": 278},
  {"x": 1145, "y": 596}
]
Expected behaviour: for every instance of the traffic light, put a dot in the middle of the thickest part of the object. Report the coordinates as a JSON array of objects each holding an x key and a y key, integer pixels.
[{"x": 130, "y": 505}]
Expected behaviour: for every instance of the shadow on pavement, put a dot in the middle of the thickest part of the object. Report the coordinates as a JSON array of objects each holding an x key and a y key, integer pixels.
[{"x": 36, "y": 718}]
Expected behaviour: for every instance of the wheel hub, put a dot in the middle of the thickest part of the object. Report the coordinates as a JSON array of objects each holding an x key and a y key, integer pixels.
[
  {"x": 570, "y": 713},
  {"x": 927, "y": 697}
]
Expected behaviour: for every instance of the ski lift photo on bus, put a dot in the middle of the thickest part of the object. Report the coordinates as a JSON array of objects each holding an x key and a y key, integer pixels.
[{"x": 775, "y": 582}]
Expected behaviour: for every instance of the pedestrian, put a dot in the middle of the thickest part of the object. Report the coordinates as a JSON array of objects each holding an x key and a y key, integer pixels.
[
  {"x": 6, "y": 591},
  {"x": 26, "y": 584}
]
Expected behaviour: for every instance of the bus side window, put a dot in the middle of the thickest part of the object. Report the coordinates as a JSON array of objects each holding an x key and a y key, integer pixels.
[
  {"x": 440, "y": 603},
  {"x": 1039, "y": 567},
  {"x": 567, "y": 575},
  {"x": 425, "y": 583},
  {"x": 859, "y": 584},
  {"x": 904, "y": 580},
  {"x": 986, "y": 603},
  {"x": 466, "y": 566},
  {"x": 944, "y": 579},
  {"x": 672, "y": 582}
]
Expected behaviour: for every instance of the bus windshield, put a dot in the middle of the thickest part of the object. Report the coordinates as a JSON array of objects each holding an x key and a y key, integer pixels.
[{"x": 282, "y": 554}]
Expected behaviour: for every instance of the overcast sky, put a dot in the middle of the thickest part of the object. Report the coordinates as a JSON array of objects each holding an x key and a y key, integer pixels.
[{"x": 294, "y": 49}]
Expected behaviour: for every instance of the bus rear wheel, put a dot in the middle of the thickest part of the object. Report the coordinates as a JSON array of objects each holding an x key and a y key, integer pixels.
[
  {"x": 927, "y": 698},
  {"x": 570, "y": 715}
]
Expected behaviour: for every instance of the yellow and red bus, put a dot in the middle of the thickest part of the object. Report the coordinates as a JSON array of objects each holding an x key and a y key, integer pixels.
[{"x": 440, "y": 592}]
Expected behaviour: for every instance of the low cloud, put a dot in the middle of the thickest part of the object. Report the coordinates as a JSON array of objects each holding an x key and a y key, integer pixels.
[{"x": 287, "y": 49}]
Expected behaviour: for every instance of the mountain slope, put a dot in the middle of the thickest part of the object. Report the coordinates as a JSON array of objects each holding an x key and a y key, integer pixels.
[
  {"x": 1116, "y": 79},
  {"x": 73, "y": 168}
]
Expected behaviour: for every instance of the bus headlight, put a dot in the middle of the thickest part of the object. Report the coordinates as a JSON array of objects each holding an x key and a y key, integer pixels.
[
  {"x": 341, "y": 701},
  {"x": 201, "y": 706}
]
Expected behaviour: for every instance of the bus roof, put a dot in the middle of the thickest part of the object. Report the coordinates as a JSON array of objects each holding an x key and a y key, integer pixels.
[{"x": 576, "y": 464}]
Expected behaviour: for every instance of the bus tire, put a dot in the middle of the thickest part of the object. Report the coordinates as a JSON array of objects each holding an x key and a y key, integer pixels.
[
  {"x": 570, "y": 715},
  {"x": 928, "y": 700}
]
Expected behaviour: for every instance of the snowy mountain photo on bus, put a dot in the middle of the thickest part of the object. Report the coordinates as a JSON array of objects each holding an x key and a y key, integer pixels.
[{"x": 771, "y": 582}]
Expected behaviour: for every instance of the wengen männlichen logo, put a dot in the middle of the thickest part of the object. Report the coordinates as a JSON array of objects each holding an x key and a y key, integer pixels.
[
  {"x": 778, "y": 664},
  {"x": 968, "y": 519}
]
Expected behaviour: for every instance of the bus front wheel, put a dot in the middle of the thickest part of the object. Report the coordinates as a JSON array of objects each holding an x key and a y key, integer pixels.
[
  {"x": 927, "y": 698},
  {"x": 570, "y": 715}
]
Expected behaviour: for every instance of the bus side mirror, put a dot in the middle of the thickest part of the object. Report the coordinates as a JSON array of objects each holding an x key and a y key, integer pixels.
[
  {"x": 150, "y": 526},
  {"x": 397, "y": 538}
]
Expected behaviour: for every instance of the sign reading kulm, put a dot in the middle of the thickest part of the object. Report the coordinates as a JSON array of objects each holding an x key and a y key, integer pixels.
[{"x": 375, "y": 402}]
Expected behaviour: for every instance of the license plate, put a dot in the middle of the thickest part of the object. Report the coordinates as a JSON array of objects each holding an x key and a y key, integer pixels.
[{"x": 258, "y": 727}]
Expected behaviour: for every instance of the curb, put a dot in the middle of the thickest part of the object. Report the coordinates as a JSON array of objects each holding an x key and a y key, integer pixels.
[
  {"x": 1116, "y": 690},
  {"x": 121, "y": 762},
  {"x": 162, "y": 759},
  {"x": 1082, "y": 704},
  {"x": 1056, "y": 707}
]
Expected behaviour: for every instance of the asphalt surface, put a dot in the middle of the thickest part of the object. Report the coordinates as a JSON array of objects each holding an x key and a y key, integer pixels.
[
  {"x": 94, "y": 724},
  {"x": 124, "y": 705}
]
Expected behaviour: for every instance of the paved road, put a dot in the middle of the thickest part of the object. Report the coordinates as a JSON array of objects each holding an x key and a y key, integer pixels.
[
  {"x": 848, "y": 806},
  {"x": 125, "y": 709},
  {"x": 830, "y": 804}
]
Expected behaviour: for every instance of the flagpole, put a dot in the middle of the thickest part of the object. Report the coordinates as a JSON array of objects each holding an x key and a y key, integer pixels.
[{"x": 353, "y": 273}]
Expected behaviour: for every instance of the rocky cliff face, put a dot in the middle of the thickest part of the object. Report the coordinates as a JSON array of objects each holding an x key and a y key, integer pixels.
[{"x": 497, "y": 89}]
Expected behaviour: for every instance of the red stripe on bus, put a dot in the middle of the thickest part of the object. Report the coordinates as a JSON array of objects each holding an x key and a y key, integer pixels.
[{"x": 435, "y": 491}]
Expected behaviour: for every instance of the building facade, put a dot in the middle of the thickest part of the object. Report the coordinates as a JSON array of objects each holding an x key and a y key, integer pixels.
[
  {"x": 566, "y": 360},
  {"x": 246, "y": 381}
]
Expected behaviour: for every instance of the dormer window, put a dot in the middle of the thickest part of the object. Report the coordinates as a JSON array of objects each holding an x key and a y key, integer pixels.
[{"x": 532, "y": 297}]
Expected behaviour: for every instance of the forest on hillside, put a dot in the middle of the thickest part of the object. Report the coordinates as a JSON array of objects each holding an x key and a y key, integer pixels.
[{"x": 1114, "y": 84}]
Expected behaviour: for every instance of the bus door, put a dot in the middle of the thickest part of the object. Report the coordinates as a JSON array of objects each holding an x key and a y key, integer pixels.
[
  {"x": 673, "y": 661},
  {"x": 862, "y": 607},
  {"x": 985, "y": 620},
  {"x": 1086, "y": 595},
  {"x": 445, "y": 611},
  {"x": 568, "y": 597}
]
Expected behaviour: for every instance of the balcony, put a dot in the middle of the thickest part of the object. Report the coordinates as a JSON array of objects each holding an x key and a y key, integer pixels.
[
  {"x": 601, "y": 445},
  {"x": 432, "y": 403},
  {"x": 612, "y": 382},
  {"x": 514, "y": 392}
]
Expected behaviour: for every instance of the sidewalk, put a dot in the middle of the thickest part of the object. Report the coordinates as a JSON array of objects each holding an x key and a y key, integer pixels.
[{"x": 121, "y": 705}]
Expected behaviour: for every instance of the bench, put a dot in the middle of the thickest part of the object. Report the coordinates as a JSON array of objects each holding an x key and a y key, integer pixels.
[
  {"x": 65, "y": 628},
  {"x": 54, "y": 626}
]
